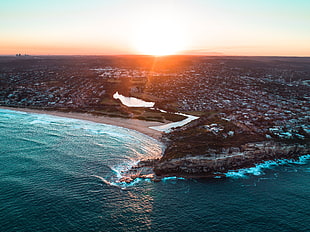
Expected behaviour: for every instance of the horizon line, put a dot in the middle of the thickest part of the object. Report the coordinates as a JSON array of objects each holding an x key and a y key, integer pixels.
[{"x": 196, "y": 55}]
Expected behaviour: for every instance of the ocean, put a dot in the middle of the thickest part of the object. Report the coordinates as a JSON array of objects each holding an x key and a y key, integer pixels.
[{"x": 60, "y": 174}]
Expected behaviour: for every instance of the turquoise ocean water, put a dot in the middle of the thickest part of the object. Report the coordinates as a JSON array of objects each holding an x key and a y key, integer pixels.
[{"x": 59, "y": 174}]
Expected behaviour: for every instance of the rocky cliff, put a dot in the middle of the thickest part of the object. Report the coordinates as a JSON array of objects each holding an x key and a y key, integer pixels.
[
  {"x": 213, "y": 144},
  {"x": 252, "y": 153}
]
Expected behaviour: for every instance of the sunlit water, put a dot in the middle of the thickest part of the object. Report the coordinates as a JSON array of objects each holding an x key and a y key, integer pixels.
[{"x": 55, "y": 176}]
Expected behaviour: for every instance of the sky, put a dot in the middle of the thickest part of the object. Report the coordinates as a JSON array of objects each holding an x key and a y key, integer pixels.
[{"x": 155, "y": 27}]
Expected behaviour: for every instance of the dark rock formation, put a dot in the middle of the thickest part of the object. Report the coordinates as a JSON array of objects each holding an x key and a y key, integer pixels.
[
  {"x": 212, "y": 144},
  {"x": 253, "y": 153}
]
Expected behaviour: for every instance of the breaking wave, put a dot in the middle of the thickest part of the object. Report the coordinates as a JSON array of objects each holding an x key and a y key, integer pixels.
[{"x": 258, "y": 169}]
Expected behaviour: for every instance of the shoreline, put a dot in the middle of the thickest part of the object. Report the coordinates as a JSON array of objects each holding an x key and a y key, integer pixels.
[
  {"x": 132, "y": 124},
  {"x": 192, "y": 168}
]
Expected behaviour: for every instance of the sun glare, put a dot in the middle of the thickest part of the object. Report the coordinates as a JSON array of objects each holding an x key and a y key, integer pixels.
[{"x": 159, "y": 37}]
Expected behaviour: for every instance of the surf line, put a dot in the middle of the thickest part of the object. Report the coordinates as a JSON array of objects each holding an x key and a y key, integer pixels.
[{"x": 106, "y": 182}]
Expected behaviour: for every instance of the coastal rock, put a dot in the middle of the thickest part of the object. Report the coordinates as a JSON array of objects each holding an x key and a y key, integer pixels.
[
  {"x": 143, "y": 170},
  {"x": 230, "y": 159}
]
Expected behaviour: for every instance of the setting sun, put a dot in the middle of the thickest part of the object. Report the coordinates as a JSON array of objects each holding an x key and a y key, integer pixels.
[
  {"x": 159, "y": 34},
  {"x": 159, "y": 38}
]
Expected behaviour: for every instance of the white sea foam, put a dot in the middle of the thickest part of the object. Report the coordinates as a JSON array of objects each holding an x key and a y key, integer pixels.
[
  {"x": 172, "y": 178},
  {"x": 48, "y": 119},
  {"x": 12, "y": 112},
  {"x": 105, "y": 181},
  {"x": 91, "y": 127},
  {"x": 124, "y": 167},
  {"x": 259, "y": 168}
]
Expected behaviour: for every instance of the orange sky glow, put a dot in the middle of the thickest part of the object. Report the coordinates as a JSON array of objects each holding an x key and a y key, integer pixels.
[{"x": 197, "y": 27}]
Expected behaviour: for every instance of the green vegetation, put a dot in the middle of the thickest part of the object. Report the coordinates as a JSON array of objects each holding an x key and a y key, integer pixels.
[
  {"x": 154, "y": 115},
  {"x": 198, "y": 139}
]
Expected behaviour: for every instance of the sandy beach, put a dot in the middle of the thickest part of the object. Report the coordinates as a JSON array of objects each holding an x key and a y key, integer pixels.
[{"x": 133, "y": 124}]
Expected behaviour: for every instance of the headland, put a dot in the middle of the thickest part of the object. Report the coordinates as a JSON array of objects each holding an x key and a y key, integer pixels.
[{"x": 249, "y": 109}]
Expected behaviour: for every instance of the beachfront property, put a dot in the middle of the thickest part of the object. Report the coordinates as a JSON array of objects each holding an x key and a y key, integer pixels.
[{"x": 251, "y": 93}]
